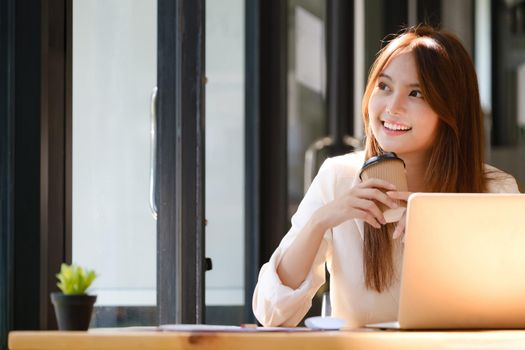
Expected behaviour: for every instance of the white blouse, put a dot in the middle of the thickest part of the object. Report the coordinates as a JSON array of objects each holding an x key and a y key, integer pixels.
[{"x": 275, "y": 304}]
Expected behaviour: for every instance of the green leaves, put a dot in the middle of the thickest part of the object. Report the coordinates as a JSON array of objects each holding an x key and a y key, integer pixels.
[{"x": 74, "y": 279}]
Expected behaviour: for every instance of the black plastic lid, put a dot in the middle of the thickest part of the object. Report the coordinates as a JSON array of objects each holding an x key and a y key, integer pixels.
[{"x": 376, "y": 159}]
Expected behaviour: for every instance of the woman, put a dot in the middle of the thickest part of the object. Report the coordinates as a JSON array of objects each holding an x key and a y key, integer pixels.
[{"x": 421, "y": 102}]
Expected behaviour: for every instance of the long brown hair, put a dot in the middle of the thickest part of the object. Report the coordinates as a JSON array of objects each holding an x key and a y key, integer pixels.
[{"x": 448, "y": 81}]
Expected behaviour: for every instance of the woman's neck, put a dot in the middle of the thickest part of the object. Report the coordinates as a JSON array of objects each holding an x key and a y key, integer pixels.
[{"x": 416, "y": 167}]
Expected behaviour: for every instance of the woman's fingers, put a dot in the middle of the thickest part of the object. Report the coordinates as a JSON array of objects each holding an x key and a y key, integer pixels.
[
  {"x": 367, "y": 217},
  {"x": 378, "y": 183},
  {"x": 400, "y": 227},
  {"x": 399, "y": 195},
  {"x": 378, "y": 195},
  {"x": 370, "y": 207},
  {"x": 364, "y": 199},
  {"x": 371, "y": 189}
]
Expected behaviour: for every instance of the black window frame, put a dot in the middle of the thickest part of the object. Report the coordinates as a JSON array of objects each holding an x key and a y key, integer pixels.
[
  {"x": 266, "y": 180},
  {"x": 6, "y": 166},
  {"x": 181, "y": 117}
]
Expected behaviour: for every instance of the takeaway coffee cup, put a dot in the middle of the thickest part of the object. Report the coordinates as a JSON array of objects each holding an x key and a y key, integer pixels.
[{"x": 389, "y": 167}]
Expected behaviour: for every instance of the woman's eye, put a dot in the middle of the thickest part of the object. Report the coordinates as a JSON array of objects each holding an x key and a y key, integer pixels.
[
  {"x": 382, "y": 86},
  {"x": 416, "y": 93}
]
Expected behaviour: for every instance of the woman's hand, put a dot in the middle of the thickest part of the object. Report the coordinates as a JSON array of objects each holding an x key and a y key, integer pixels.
[
  {"x": 400, "y": 227},
  {"x": 357, "y": 203}
]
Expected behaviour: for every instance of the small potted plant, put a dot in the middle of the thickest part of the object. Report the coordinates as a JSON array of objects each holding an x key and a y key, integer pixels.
[{"x": 73, "y": 307}]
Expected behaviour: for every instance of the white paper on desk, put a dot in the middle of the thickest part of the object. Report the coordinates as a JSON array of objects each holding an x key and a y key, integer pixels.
[{"x": 218, "y": 328}]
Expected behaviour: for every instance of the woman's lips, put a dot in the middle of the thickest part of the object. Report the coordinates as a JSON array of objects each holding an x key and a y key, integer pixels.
[{"x": 394, "y": 129}]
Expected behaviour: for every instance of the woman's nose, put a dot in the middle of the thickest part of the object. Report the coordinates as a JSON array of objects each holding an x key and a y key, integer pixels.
[{"x": 396, "y": 105}]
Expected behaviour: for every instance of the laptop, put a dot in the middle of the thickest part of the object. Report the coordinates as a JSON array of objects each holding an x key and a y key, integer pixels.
[{"x": 463, "y": 263}]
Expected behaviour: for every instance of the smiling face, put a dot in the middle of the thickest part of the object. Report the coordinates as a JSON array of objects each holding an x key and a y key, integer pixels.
[{"x": 400, "y": 118}]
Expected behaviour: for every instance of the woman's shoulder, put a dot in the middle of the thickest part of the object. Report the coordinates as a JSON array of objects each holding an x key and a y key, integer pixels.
[
  {"x": 498, "y": 181},
  {"x": 346, "y": 165}
]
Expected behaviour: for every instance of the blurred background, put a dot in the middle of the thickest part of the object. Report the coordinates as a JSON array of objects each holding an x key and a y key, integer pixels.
[
  {"x": 283, "y": 87},
  {"x": 318, "y": 54}
]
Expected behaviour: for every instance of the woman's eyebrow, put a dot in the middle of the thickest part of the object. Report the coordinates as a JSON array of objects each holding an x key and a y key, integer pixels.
[{"x": 383, "y": 75}]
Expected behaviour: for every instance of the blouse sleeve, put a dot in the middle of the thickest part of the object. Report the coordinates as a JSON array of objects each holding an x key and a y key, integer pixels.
[
  {"x": 499, "y": 181},
  {"x": 275, "y": 304}
]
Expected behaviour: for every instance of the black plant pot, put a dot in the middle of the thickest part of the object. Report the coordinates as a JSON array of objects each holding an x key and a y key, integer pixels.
[{"x": 73, "y": 312}]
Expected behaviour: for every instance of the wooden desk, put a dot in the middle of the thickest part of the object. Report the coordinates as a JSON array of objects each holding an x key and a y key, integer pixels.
[{"x": 358, "y": 339}]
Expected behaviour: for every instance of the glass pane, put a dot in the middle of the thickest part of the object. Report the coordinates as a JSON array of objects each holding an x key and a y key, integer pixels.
[
  {"x": 306, "y": 89},
  {"x": 114, "y": 72},
  {"x": 307, "y": 119},
  {"x": 225, "y": 159},
  {"x": 503, "y": 91}
]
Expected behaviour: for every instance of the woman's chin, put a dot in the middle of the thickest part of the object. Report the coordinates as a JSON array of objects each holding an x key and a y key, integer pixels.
[{"x": 387, "y": 147}]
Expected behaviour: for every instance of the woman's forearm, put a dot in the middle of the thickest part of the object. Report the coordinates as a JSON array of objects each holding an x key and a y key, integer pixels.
[{"x": 298, "y": 259}]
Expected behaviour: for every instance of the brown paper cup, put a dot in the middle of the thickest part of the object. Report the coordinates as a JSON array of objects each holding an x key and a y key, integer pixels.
[{"x": 390, "y": 168}]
